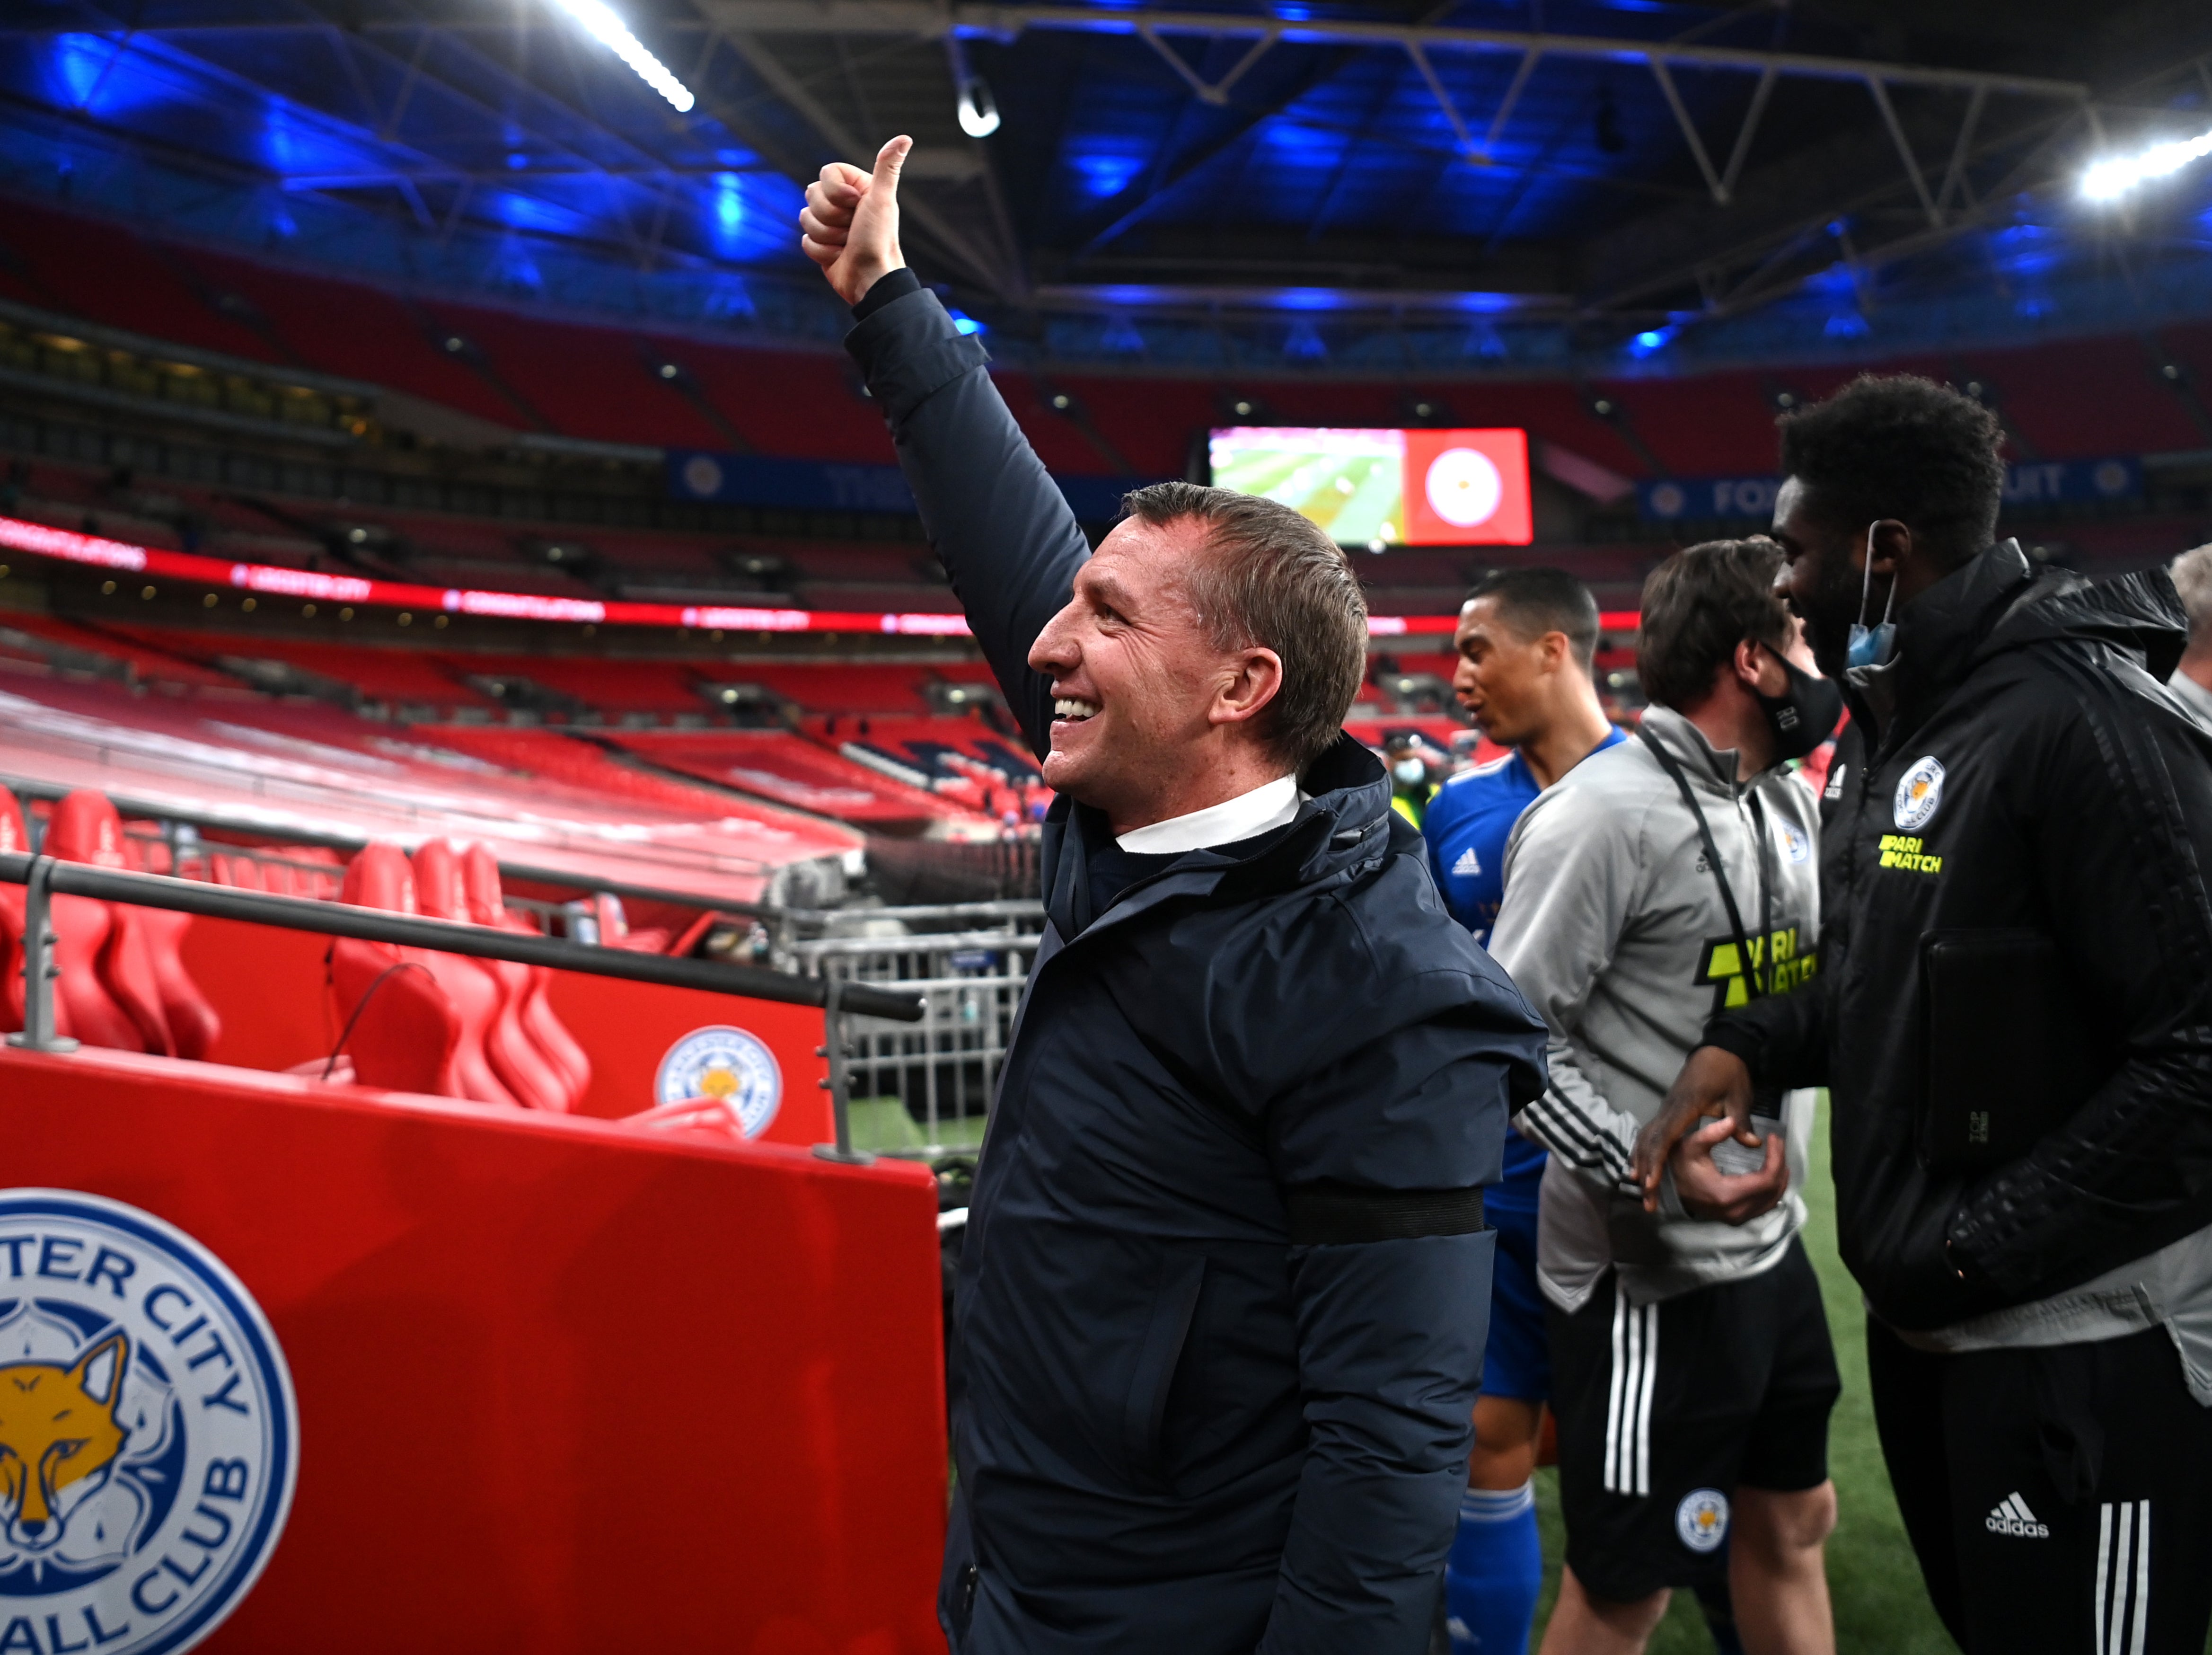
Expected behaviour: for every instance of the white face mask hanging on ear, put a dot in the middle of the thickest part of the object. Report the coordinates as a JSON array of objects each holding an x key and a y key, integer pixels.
[{"x": 1872, "y": 646}]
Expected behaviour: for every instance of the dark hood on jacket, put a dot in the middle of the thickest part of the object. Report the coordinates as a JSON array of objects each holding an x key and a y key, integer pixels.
[{"x": 1999, "y": 601}]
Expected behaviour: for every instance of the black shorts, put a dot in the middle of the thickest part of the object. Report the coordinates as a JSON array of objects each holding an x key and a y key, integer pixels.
[
  {"x": 2059, "y": 1497},
  {"x": 1664, "y": 1409}
]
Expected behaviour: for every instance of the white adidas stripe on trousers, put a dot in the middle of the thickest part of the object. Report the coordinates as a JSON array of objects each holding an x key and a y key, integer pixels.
[
  {"x": 2124, "y": 1578},
  {"x": 1628, "y": 1407}
]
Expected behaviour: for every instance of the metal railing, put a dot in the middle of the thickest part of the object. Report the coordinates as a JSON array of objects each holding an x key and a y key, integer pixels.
[
  {"x": 943, "y": 1067},
  {"x": 841, "y": 999}
]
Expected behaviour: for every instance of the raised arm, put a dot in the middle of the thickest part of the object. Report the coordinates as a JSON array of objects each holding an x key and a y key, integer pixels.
[{"x": 999, "y": 523}]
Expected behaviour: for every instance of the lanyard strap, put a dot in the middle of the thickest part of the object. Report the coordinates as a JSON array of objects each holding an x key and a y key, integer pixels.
[{"x": 1668, "y": 763}]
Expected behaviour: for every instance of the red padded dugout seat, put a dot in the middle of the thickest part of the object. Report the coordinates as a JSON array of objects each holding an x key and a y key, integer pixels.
[
  {"x": 521, "y": 1070},
  {"x": 16, "y": 840},
  {"x": 401, "y": 1028},
  {"x": 487, "y": 906},
  {"x": 137, "y": 959}
]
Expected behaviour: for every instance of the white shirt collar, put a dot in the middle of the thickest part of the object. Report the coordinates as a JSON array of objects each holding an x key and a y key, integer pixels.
[{"x": 1272, "y": 805}]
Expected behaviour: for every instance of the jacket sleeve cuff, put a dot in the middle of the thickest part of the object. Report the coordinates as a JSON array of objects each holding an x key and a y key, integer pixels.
[
  {"x": 909, "y": 349},
  {"x": 897, "y": 285},
  {"x": 1732, "y": 1038}
]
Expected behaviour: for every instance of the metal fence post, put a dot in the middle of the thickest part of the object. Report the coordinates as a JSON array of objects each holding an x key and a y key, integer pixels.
[
  {"x": 39, "y": 968},
  {"x": 834, "y": 1036}
]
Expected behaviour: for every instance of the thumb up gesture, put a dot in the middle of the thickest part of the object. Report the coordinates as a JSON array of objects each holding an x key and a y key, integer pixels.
[{"x": 850, "y": 221}]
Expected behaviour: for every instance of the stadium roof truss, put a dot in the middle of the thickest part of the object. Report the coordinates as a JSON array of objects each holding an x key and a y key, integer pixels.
[{"x": 1608, "y": 172}]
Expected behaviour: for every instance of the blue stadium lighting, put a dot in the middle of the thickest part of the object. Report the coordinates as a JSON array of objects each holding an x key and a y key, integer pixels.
[
  {"x": 1106, "y": 174},
  {"x": 964, "y": 323},
  {"x": 100, "y": 76},
  {"x": 610, "y": 32},
  {"x": 729, "y": 211},
  {"x": 2110, "y": 178},
  {"x": 83, "y": 61},
  {"x": 529, "y": 213},
  {"x": 1649, "y": 342}
]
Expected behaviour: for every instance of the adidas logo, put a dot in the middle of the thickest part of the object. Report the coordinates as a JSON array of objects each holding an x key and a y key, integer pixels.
[
  {"x": 1468, "y": 862},
  {"x": 2012, "y": 1516}
]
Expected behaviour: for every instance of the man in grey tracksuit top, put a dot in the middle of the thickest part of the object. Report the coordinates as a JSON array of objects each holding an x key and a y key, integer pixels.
[{"x": 1692, "y": 1370}]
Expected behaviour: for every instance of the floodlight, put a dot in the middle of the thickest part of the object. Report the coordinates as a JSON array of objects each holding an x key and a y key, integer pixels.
[
  {"x": 978, "y": 110},
  {"x": 2108, "y": 179},
  {"x": 609, "y": 30}
]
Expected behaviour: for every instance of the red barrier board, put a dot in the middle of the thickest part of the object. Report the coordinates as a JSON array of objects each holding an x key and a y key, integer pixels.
[
  {"x": 269, "y": 986},
  {"x": 559, "y": 1387}
]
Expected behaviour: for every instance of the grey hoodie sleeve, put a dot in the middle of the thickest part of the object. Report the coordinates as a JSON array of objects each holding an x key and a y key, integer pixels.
[{"x": 1573, "y": 877}]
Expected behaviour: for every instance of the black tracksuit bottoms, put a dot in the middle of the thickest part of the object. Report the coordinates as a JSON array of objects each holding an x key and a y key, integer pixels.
[{"x": 2059, "y": 1497}]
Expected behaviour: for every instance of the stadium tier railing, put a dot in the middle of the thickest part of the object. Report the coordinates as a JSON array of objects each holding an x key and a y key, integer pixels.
[{"x": 842, "y": 996}]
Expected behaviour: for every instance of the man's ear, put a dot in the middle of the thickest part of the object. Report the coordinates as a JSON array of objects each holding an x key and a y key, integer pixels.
[
  {"x": 1255, "y": 679},
  {"x": 1750, "y": 663},
  {"x": 1889, "y": 546}
]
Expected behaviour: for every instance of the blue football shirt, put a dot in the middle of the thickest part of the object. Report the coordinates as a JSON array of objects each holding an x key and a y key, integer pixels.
[{"x": 1467, "y": 826}]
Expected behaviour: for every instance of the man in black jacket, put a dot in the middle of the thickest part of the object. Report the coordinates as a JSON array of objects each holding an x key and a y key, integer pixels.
[
  {"x": 1222, "y": 1301},
  {"x": 2016, "y": 1027}
]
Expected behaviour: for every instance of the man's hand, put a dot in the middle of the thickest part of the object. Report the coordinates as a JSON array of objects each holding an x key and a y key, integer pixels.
[
  {"x": 1712, "y": 1082},
  {"x": 850, "y": 221},
  {"x": 1707, "y": 1192}
]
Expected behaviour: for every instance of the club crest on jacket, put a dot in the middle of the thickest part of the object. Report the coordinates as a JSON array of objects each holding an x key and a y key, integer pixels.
[{"x": 1920, "y": 791}]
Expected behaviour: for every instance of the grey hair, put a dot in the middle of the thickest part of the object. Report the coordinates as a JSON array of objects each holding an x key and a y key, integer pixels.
[
  {"x": 1275, "y": 581},
  {"x": 2192, "y": 578}
]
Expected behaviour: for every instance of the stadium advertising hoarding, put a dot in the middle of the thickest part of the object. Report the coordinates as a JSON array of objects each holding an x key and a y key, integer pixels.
[
  {"x": 2027, "y": 483},
  {"x": 67, "y": 546},
  {"x": 1378, "y": 488},
  {"x": 700, "y": 475}
]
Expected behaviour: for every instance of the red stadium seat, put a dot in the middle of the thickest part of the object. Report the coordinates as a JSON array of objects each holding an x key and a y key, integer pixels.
[
  {"x": 489, "y": 1051},
  {"x": 106, "y": 994},
  {"x": 144, "y": 942},
  {"x": 402, "y": 1029},
  {"x": 16, "y": 840},
  {"x": 480, "y": 886}
]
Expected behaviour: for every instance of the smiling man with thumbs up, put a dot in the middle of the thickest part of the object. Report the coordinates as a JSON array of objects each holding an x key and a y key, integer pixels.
[{"x": 1222, "y": 1303}]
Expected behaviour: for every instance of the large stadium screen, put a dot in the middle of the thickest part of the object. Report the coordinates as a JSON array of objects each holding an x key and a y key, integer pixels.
[{"x": 1378, "y": 488}]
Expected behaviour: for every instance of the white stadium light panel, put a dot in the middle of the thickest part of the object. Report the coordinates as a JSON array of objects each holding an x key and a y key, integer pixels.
[
  {"x": 2111, "y": 179},
  {"x": 611, "y": 32}
]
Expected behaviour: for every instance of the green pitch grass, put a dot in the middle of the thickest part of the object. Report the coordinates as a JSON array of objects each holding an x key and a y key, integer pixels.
[
  {"x": 1355, "y": 497},
  {"x": 1873, "y": 1579}
]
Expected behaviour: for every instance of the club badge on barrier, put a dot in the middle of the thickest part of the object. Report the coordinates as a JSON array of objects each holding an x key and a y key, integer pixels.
[
  {"x": 149, "y": 1430},
  {"x": 727, "y": 1067}
]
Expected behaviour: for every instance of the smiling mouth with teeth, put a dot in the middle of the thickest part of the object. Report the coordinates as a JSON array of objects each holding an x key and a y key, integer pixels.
[{"x": 1073, "y": 711}]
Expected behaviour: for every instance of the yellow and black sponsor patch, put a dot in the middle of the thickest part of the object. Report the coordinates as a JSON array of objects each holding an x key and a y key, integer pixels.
[
  {"x": 1906, "y": 850},
  {"x": 1777, "y": 962}
]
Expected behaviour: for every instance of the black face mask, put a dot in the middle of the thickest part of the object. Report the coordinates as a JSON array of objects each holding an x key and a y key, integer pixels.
[{"x": 1802, "y": 715}]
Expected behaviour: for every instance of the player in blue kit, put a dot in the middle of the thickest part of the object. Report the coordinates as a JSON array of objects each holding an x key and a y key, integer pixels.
[{"x": 1525, "y": 640}]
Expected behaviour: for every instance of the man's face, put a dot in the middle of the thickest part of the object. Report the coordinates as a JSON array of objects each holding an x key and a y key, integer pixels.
[
  {"x": 1823, "y": 579},
  {"x": 1133, "y": 671},
  {"x": 1502, "y": 678}
]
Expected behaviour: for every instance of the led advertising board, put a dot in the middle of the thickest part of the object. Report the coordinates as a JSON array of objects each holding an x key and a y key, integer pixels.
[{"x": 1378, "y": 488}]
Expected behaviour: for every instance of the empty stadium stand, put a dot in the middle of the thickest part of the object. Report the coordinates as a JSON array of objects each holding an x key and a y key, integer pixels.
[{"x": 2069, "y": 398}]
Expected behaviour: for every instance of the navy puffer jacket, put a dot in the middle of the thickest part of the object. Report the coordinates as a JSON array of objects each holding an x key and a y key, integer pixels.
[{"x": 1223, "y": 1293}]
